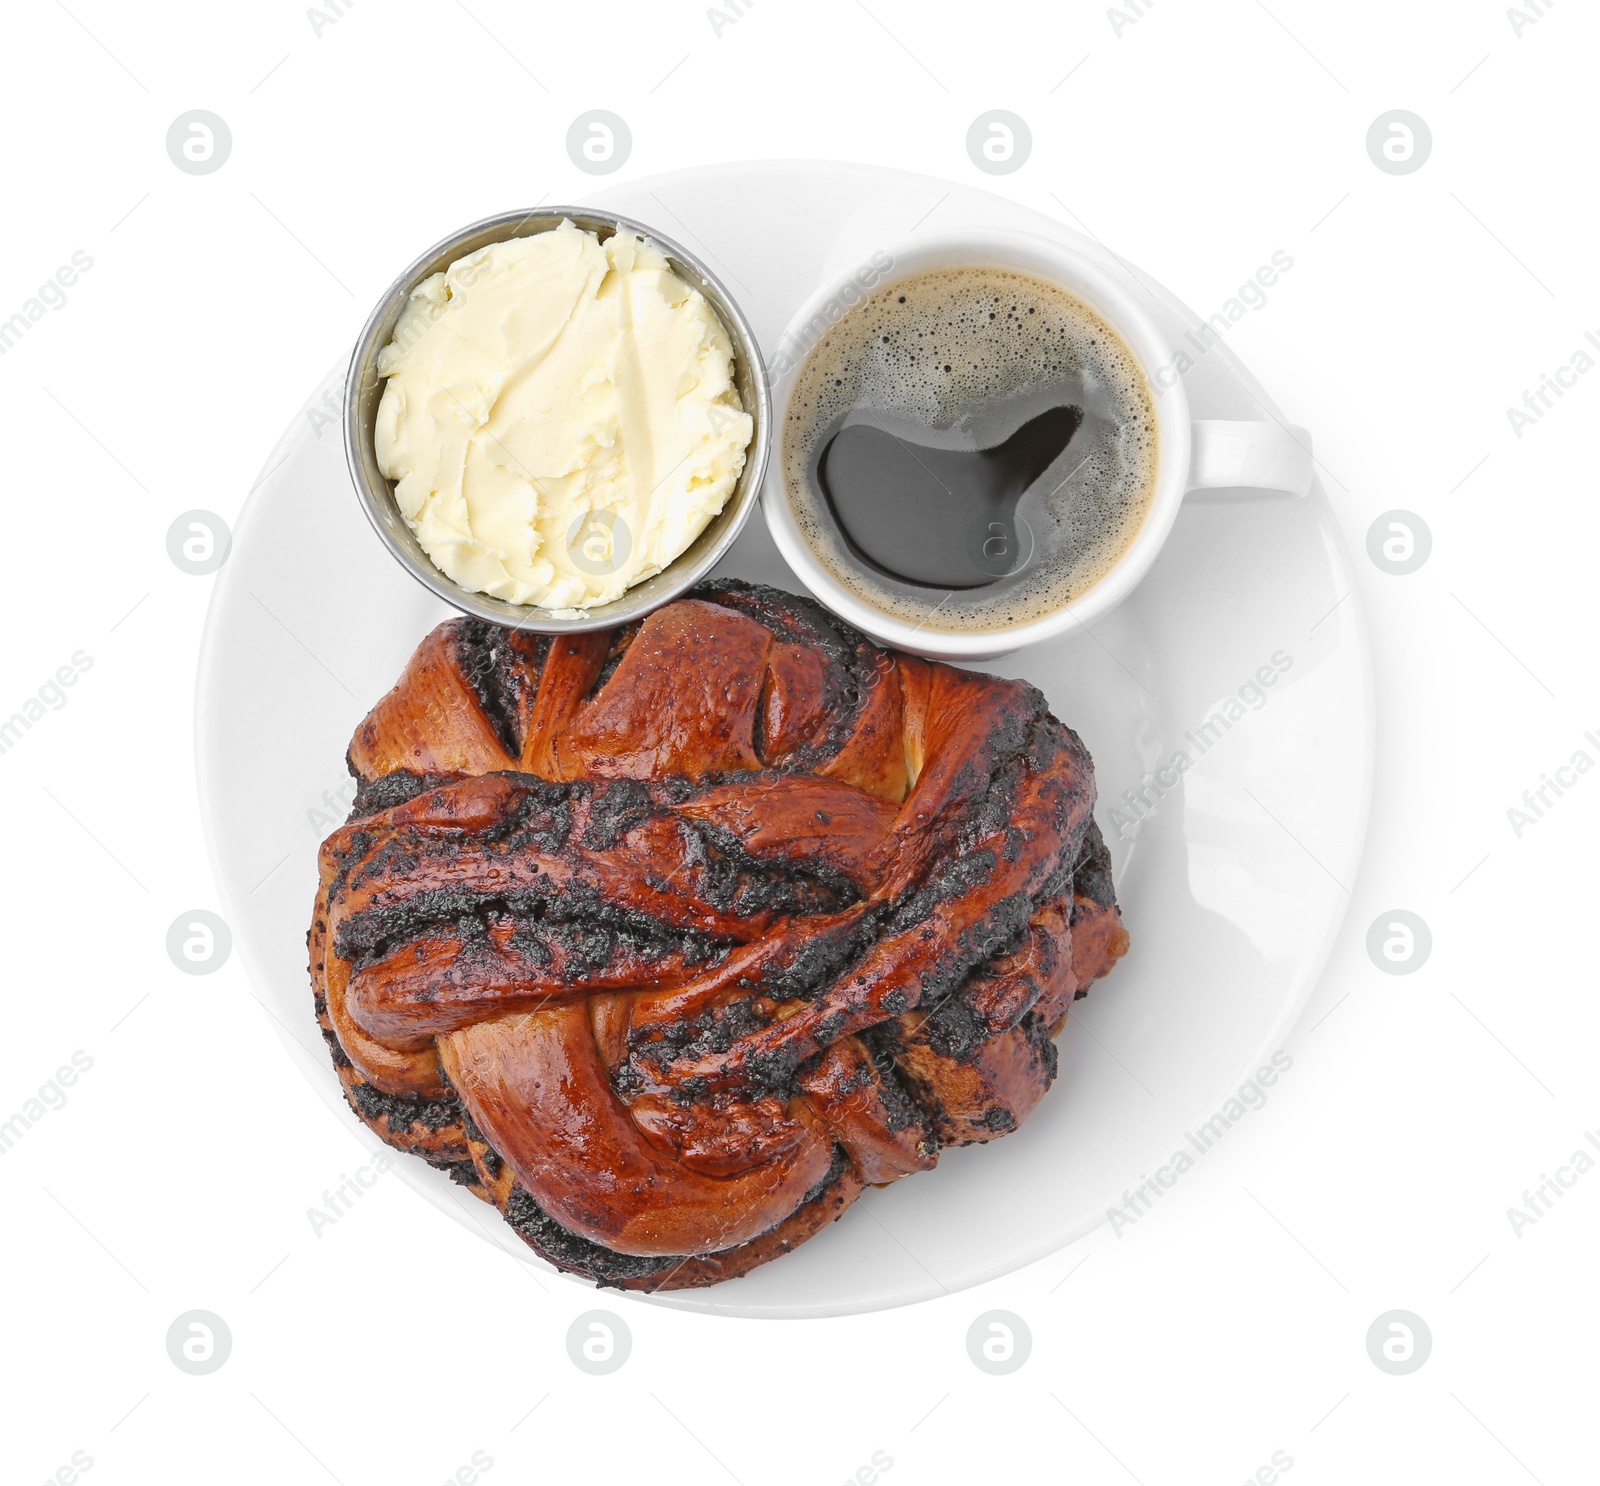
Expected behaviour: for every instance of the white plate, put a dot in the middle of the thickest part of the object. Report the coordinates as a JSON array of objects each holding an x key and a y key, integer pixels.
[{"x": 1233, "y": 883}]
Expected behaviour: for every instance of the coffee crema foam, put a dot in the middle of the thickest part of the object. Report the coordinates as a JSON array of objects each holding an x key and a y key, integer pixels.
[{"x": 960, "y": 359}]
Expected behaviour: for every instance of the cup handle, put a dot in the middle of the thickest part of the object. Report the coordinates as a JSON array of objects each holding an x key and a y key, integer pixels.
[{"x": 1234, "y": 455}]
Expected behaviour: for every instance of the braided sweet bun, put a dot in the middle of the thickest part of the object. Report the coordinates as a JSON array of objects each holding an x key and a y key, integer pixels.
[{"x": 668, "y": 940}]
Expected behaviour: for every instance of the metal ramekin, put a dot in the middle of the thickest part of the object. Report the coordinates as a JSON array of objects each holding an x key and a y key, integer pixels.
[{"x": 363, "y": 389}]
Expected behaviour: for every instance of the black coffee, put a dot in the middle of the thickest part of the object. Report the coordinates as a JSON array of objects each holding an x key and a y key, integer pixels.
[
  {"x": 970, "y": 448},
  {"x": 901, "y": 503}
]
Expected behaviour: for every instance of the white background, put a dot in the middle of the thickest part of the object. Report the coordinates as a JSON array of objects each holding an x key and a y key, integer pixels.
[{"x": 1196, "y": 139}]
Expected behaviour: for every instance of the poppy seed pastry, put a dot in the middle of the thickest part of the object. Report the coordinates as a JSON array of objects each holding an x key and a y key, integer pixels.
[{"x": 669, "y": 940}]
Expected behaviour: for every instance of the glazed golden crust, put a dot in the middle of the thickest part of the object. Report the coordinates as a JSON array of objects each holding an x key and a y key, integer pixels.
[{"x": 668, "y": 941}]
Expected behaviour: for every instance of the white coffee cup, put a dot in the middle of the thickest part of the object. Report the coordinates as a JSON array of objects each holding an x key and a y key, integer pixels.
[{"x": 1193, "y": 455}]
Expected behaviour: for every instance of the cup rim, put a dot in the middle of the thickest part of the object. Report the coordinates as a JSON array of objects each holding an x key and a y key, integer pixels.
[
  {"x": 1068, "y": 268},
  {"x": 376, "y": 493}
]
